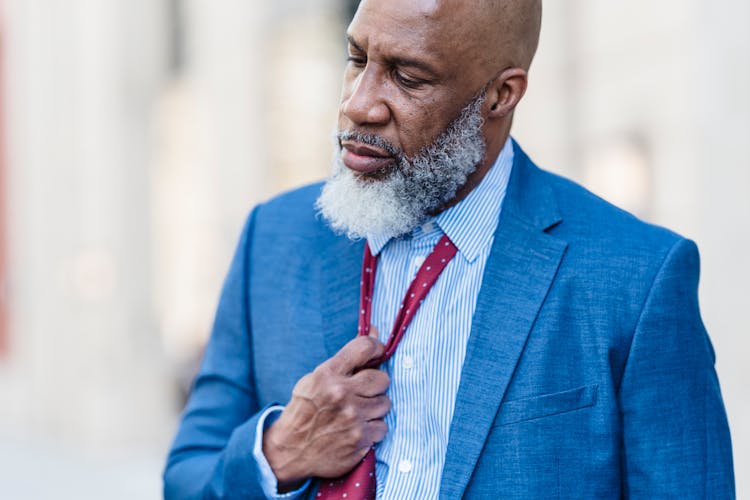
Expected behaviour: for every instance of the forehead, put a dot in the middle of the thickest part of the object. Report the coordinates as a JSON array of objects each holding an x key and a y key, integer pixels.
[{"x": 433, "y": 30}]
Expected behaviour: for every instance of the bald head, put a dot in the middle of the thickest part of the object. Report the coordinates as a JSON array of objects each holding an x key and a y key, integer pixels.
[
  {"x": 503, "y": 33},
  {"x": 491, "y": 34},
  {"x": 512, "y": 30}
]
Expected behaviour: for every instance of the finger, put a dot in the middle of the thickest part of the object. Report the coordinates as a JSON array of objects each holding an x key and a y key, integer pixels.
[
  {"x": 370, "y": 382},
  {"x": 375, "y": 407},
  {"x": 356, "y": 456},
  {"x": 374, "y": 332},
  {"x": 376, "y": 430},
  {"x": 355, "y": 354}
]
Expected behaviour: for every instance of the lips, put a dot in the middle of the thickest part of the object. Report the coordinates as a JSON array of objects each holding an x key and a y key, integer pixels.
[{"x": 364, "y": 158}]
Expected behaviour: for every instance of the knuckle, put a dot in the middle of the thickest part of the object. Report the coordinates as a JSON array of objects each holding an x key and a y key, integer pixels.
[
  {"x": 349, "y": 414},
  {"x": 317, "y": 374},
  {"x": 304, "y": 384},
  {"x": 336, "y": 392}
]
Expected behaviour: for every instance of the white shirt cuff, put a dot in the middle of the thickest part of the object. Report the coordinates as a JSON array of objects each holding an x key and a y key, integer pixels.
[{"x": 268, "y": 480}]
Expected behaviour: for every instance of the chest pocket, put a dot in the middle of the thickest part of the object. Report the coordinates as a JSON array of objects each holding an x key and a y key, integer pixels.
[{"x": 546, "y": 405}]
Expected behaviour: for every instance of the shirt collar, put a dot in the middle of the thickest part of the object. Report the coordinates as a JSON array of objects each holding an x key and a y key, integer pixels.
[
  {"x": 376, "y": 243},
  {"x": 471, "y": 222}
]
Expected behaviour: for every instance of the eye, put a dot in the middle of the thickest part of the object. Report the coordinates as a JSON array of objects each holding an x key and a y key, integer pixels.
[
  {"x": 357, "y": 60},
  {"x": 407, "y": 81}
]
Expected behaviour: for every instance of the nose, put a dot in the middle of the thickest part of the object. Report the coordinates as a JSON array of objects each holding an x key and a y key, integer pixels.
[{"x": 363, "y": 101}]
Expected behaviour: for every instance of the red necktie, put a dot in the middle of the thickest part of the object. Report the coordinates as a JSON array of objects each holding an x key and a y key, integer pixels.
[{"x": 360, "y": 483}]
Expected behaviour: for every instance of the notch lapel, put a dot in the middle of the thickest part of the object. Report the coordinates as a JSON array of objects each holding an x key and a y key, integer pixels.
[{"x": 520, "y": 269}]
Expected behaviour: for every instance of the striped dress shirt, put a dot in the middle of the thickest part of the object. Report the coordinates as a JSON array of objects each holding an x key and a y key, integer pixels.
[{"x": 426, "y": 368}]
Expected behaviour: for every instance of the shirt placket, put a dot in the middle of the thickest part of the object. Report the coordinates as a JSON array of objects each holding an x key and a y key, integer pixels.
[{"x": 409, "y": 366}]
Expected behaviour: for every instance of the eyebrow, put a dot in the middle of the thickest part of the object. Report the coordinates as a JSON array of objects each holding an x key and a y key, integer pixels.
[{"x": 397, "y": 61}]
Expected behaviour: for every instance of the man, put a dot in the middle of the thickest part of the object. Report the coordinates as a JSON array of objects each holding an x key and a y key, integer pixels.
[{"x": 551, "y": 345}]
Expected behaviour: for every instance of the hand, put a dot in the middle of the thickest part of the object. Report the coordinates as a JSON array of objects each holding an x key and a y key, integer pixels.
[{"x": 334, "y": 417}]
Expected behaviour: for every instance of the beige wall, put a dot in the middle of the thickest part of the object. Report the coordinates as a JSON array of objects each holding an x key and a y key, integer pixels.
[{"x": 84, "y": 364}]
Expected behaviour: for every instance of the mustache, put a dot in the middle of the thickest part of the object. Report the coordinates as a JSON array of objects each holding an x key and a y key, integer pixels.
[{"x": 370, "y": 140}]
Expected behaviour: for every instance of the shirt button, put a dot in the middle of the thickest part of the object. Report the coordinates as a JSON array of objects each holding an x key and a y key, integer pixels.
[
  {"x": 404, "y": 466},
  {"x": 418, "y": 261},
  {"x": 427, "y": 227},
  {"x": 408, "y": 362}
]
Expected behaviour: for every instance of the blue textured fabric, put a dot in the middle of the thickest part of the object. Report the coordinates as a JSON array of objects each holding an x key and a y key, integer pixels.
[{"x": 588, "y": 372}]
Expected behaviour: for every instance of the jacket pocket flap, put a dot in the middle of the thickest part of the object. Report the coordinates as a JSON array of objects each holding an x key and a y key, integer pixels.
[{"x": 521, "y": 410}]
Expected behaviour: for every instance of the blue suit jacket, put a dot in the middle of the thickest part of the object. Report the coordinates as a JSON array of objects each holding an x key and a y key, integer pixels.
[{"x": 588, "y": 372}]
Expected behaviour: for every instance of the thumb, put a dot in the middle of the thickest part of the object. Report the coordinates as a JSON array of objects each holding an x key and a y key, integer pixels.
[{"x": 374, "y": 332}]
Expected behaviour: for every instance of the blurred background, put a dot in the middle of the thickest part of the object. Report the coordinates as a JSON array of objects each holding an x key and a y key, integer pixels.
[{"x": 136, "y": 135}]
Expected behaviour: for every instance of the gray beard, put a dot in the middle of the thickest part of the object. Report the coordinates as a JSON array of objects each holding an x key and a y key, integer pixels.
[{"x": 404, "y": 194}]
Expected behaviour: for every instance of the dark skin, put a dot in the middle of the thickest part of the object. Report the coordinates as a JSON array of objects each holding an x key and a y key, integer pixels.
[
  {"x": 412, "y": 68},
  {"x": 335, "y": 415}
]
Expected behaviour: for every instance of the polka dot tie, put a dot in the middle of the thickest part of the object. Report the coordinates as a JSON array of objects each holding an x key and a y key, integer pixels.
[{"x": 360, "y": 482}]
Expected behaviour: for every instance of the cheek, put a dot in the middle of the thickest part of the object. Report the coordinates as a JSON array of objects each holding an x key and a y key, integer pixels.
[{"x": 419, "y": 128}]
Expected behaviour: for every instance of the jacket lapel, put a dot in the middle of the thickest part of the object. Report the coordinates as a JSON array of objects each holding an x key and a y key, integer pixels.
[
  {"x": 520, "y": 269},
  {"x": 339, "y": 285}
]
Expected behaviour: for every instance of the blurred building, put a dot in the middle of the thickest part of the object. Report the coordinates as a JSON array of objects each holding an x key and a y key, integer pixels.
[{"x": 138, "y": 134}]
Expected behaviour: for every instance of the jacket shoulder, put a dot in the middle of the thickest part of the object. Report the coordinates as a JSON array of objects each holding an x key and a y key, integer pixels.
[
  {"x": 298, "y": 202},
  {"x": 586, "y": 216},
  {"x": 290, "y": 213}
]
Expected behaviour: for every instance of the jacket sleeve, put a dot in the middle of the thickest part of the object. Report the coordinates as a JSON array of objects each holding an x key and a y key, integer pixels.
[
  {"x": 212, "y": 454},
  {"x": 676, "y": 440}
]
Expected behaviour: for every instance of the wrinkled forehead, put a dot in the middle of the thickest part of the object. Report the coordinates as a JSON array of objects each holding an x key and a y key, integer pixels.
[{"x": 437, "y": 29}]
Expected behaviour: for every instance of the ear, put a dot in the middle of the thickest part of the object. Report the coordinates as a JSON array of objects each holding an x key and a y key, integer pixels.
[{"x": 505, "y": 92}]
